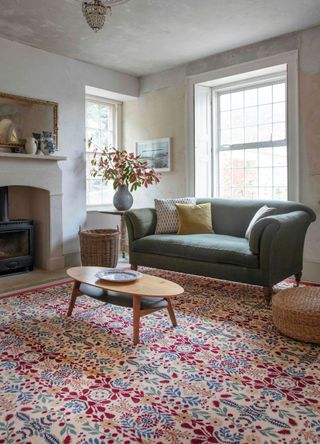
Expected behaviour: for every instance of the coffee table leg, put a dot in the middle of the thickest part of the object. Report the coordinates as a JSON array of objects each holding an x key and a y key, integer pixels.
[
  {"x": 136, "y": 319},
  {"x": 74, "y": 295},
  {"x": 171, "y": 312}
]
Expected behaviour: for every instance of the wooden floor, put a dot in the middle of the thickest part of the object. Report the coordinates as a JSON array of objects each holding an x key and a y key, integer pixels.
[
  {"x": 20, "y": 281},
  {"x": 38, "y": 277}
]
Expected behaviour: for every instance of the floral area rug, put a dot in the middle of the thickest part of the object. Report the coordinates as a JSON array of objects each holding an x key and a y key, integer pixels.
[{"x": 224, "y": 375}]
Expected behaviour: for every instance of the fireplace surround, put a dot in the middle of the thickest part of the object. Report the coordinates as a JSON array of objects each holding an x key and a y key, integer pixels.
[{"x": 34, "y": 201}]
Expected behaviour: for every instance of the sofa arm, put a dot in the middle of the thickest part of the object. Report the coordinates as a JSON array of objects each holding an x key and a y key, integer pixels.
[
  {"x": 141, "y": 222},
  {"x": 288, "y": 227}
]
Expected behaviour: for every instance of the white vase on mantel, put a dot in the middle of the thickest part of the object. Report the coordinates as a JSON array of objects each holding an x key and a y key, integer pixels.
[{"x": 31, "y": 146}]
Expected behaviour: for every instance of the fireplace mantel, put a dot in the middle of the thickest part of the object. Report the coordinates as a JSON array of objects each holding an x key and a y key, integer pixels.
[{"x": 31, "y": 156}]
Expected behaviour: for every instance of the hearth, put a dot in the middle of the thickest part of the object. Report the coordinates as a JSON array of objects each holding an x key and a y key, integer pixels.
[{"x": 16, "y": 240}]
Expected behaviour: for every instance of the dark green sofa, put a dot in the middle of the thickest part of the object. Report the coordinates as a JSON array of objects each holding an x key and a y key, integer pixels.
[{"x": 274, "y": 253}]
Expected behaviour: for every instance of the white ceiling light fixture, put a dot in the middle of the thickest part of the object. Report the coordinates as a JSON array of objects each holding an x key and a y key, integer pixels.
[{"x": 95, "y": 11}]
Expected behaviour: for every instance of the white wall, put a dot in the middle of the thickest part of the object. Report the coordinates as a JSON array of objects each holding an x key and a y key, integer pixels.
[
  {"x": 34, "y": 73},
  {"x": 158, "y": 114}
]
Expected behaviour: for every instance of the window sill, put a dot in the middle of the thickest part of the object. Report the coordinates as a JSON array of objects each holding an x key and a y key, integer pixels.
[{"x": 97, "y": 208}]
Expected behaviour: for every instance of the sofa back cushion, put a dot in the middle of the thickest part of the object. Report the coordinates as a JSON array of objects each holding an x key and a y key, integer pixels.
[{"x": 233, "y": 216}]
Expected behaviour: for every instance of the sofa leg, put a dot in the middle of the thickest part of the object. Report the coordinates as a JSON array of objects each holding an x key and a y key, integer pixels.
[
  {"x": 298, "y": 277},
  {"x": 268, "y": 291},
  {"x": 134, "y": 267}
]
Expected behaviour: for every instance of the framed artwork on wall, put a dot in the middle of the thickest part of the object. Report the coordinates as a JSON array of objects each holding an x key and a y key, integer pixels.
[{"x": 156, "y": 152}]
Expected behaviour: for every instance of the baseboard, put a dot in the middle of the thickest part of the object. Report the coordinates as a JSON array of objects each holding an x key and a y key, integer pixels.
[
  {"x": 311, "y": 272},
  {"x": 55, "y": 263},
  {"x": 72, "y": 259}
]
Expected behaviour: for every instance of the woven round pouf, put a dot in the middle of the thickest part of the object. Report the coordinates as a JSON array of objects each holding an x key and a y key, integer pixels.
[{"x": 296, "y": 313}]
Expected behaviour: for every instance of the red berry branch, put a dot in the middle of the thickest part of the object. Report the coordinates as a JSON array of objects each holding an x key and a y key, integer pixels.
[{"x": 122, "y": 168}]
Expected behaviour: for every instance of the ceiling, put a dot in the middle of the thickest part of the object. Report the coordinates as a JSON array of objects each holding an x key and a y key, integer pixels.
[{"x": 147, "y": 36}]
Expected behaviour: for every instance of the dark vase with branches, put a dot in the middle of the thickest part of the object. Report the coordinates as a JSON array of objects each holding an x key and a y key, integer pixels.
[{"x": 126, "y": 171}]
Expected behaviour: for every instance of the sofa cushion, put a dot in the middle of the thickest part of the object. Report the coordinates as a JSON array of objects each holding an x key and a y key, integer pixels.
[
  {"x": 194, "y": 219},
  {"x": 167, "y": 214},
  {"x": 213, "y": 248},
  {"x": 262, "y": 212}
]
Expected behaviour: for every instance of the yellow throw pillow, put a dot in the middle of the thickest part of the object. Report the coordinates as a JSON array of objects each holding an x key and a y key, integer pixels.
[{"x": 194, "y": 219}]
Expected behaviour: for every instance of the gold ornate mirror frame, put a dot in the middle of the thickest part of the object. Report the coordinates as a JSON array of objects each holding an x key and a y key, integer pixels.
[{"x": 29, "y": 100}]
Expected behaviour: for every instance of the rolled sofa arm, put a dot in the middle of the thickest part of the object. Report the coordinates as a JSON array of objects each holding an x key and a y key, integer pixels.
[
  {"x": 287, "y": 226},
  {"x": 141, "y": 222}
]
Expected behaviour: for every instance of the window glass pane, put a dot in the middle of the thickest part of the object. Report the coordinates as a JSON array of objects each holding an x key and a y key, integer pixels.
[
  {"x": 279, "y": 92},
  {"x": 265, "y": 133},
  {"x": 225, "y": 137},
  {"x": 225, "y": 159},
  {"x": 237, "y": 136},
  {"x": 238, "y": 178},
  {"x": 251, "y": 116},
  {"x": 265, "y": 193},
  {"x": 225, "y": 178},
  {"x": 94, "y": 135},
  {"x": 265, "y": 114},
  {"x": 251, "y": 158},
  {"x": 238, "y": 193},
  {"x": 251, "y": 134},
  {"x": 106, "y": 139},
  {"x": 94, "y": 191},
  {"x": 251, "y": 97},
  {"x": 251, "y": 193},
  {"x": 106, "y": 117},
  {"x": 280, "y": 156},
  {"x": 251, "y": 177},
  {"x": 265, "y": 157},
  {"x": 264, "y": 95},
  {"x": 225, "y": 120},
  {"x": 265, "y": 177},
  {"x": 279, "y": 131},
  {"x": 279, "y": 112},
  {"x": 225, "y": 102},
  {"x": 92, "y": 110},
  {"x": 237, "y": 118},
  {"x": 238, "y": 159},
  {"x": 280, "y": 176},
  {"x": 280, "y": 193},
  {"x": 237, "y": 100}
]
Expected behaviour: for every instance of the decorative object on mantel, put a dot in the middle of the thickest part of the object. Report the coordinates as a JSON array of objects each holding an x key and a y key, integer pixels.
[
  {"x": 124, "y": 170},
  {"x": 31, "y": 146},
  {"x": 95, "y": 11},
  {"x": 22, "y": 116},
  {"x": 156, "y": 152},
  {"x": 47, "y": 145},
  {"x": 37, "y": 137}
]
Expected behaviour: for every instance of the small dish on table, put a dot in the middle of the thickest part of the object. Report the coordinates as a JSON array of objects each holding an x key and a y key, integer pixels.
[{"x": 116, "y": 275}]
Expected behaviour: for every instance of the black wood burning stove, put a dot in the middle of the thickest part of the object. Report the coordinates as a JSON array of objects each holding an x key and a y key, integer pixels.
[{"x": 16, "y": 240}]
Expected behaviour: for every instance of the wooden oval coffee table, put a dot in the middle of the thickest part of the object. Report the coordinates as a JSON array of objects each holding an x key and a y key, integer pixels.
[{"x": 146, "y": 295}]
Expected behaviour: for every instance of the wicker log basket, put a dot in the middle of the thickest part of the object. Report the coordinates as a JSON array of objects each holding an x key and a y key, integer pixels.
[
  {"x": 99, "y": 248},
  {"x": 296, "y": 313}
]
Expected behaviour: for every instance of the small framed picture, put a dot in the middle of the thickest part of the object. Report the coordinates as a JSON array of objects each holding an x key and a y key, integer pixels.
[{"x": 156, "y": 152}]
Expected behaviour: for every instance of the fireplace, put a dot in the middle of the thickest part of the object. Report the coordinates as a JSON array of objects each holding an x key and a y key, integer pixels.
[{"x": 16, "y": 240}]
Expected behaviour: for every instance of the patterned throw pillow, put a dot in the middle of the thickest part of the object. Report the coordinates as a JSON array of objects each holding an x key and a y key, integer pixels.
[{"x": 167, "y": 214}]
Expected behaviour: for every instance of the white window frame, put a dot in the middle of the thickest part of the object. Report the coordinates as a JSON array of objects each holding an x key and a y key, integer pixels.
[
  {"x": 234, "y": 87},
  {"x": 117, "y": 119},
  {"x": 290, "y": 59}
]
